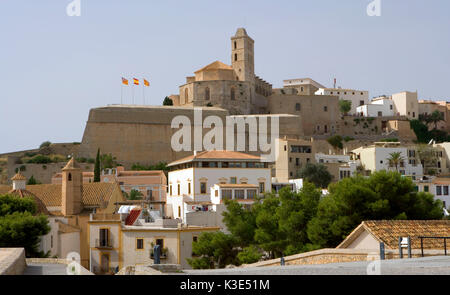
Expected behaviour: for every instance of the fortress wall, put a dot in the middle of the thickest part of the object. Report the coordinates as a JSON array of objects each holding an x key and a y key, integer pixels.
[{"x": 143, "y": 134}]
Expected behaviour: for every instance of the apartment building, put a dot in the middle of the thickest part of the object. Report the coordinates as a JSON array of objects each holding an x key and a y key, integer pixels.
[
  {"x": 194, "y": 181},
  {"x": 378, "y": 107},
  {"x": 127, "y": 239},
  {"x": 357, "y": 97}
]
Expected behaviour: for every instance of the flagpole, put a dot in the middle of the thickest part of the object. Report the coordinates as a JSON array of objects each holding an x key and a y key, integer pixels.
[
  {"x": 133, "y": 93},
  {"x": 121, "y": 93},
  {"x": 143, "y": 92}
]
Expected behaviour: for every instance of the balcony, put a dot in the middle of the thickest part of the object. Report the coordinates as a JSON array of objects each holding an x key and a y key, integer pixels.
[{"x": 104, "y": 243}]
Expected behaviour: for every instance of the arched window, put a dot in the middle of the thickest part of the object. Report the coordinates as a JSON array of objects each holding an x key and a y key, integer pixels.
[
  {"x": 232, "y": 94},
  {"x": 69, "y": 177},
  {"x": 207, "y": 94},
  {"x": 186, "y": 95},
  {"x": 235, "y": 57},
  {"x": 235, "y": 44}
]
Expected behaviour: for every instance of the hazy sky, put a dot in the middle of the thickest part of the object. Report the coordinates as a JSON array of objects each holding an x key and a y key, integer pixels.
[{"x": 54, "y": 68}]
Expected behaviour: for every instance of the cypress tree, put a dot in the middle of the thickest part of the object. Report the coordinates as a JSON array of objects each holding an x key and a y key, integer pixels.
[{"x": 97, "y": 167}]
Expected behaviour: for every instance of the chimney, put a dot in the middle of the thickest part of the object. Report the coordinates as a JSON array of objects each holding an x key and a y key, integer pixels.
[
  {"x": 19, "y": 181},
  {"x": 72, "y": 181}
]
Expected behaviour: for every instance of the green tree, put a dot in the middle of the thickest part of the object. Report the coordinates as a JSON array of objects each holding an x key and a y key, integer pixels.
[
  {"x": 345, "y": 106},
  {"x": 45, "y": 144},
  {"x": 268, "y": 234},
  {"x": 294, "y": 213},
  {"x": 240, "y": 222},
  {"x": 436, "y": 117},
  {"x": 133, "y": 195},
  {"x": 97, "y": 167},
  {"x": 250, "y": 254},
  {"x": 167, "y": 101},
  {"x": 336, "y": 142},
  {"x": 395, "y": 160},
  {"x": 32, "y": 181},
  {"x": 383, "y": 195},
  {"x": 107, "y": 161},
  {"x": 213, "y": 248},
  {"x": 316, "y": 174},
  {"x": 20, "y": 227}
]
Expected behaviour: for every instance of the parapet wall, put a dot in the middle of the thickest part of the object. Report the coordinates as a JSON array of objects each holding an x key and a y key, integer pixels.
[
  {"x": 333, "y": 255},
  {"x": 12, "y": 261}
]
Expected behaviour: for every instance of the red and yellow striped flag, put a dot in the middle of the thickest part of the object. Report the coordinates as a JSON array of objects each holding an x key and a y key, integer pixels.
[
  {"x": 135, "y": 81},
  {"x": 124, "y": 81},
  {"x": 146, "y": 83}
]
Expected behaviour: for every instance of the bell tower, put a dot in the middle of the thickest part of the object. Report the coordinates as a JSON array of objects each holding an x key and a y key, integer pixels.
[
  {"x": 72, "y": 180},
  {"x": 242, "y": 56}
]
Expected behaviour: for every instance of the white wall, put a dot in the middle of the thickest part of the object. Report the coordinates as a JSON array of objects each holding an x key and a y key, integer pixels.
[{"x": 353, "y": 95}]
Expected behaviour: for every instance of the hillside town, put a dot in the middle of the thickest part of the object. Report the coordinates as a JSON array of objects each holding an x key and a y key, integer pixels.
[{"x": 350, "y": 174}]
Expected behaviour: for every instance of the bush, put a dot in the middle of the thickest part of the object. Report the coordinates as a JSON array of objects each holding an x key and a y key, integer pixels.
[
  {"x": 249, "y": 255},
  {"x": 336, "y": 141},
  {"x": 45, "y": 144}
]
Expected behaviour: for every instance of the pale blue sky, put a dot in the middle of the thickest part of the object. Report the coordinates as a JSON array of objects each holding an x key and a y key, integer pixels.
[{"x": 54, "y": 68}]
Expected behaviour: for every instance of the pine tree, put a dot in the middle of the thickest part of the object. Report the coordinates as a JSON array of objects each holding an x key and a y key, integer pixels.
[{"x": 97, "y": 167}]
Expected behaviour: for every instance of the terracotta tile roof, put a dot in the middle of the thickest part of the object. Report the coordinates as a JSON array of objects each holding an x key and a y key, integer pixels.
[
  {"x": 141, "y": 173},
  {"x": 237, "y": 185},
  {"x": 388, "y": 231},
  {"x": 92, "y": 193},
  {"x": 217, "y": 65},
  {"x": 18, "y": 176},
  {"x": 41, "y": 208},
  {"x": 216, "y": 155}
]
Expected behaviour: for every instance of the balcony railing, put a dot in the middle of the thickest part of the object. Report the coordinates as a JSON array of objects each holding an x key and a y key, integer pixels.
[{"x": 105, "y": 244}]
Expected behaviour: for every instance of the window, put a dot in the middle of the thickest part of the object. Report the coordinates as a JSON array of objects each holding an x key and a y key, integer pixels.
[
  {"x": 186, "y": 95},
  {"x": 301, "y": 149},
  {"x": 239, "y": 194},
  {"x": 235, "y": 45},
  {"x": 438, "y": 190},
  {"x": 235, "y": 57},
  {"x": 297, "y": 107},
  {"x": 262, "y": 187},
  {"x": 178, "y": 189},
  {"x": 325, "y": 109},
  {"x": 203, "y": 187},
  {"x": 194, "y": 239},
  {"x": 104, "y": 237},
  {"x": 297, "y": 161},
  {"x": 414, "y": 114},
  {"x": 227, "y": 194},
  {"x": 380, "y": 114},
  {"x": 189, "y": 188},
  {"x": 233, "y": 180},
  {"x": 139, "y": 244},
  {"x": 69, "y": 177},
  {"x": 207, "y": 94},
  {"x": 170, "y": 189},
  {"x": 391, "y": 107},
  {"x": 445, "y": 190},
  {"x": 179, "y": 211},
  {"x": 216, "y": 193},
  {"x": 51, "y": 241},
  {"x": 285, "y": 147},
  {"x": 251, "y": 194},
  {"x": 301, "y": 89},
  {"x": 426, "y": 189},
  {"x": 232, "y": 94},
  {"x": 160, "y": 242}
]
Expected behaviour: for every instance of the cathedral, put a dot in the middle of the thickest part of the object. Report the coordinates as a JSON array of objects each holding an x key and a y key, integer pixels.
[{"x": 235, "y": 88}]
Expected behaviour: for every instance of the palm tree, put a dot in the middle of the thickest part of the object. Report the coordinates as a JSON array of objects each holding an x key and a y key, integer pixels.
[
  {"x": 436, "y": 117},
  {"x": 395, "y": 160}
]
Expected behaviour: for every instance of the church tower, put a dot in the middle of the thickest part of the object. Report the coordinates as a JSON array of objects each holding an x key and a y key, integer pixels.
[
  {"x": 72, "y": 181},
  {"x": 242, "y": 56}
]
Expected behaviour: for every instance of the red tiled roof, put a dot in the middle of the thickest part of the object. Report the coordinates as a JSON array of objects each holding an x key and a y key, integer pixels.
[
  {"x": 216, "y": 155},
  {"x": 133, "y": 216}
]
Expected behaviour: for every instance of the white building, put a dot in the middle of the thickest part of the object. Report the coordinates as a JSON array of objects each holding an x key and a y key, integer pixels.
[
  {"x": 376, "y": 158},
  {"x": 194, "y": 181},
  {"x": 357, "y": 97},
  {"x": 437, "y": 186},
  {"x": 378, "y": 107},
  {"x": 324, "y": 158}
]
